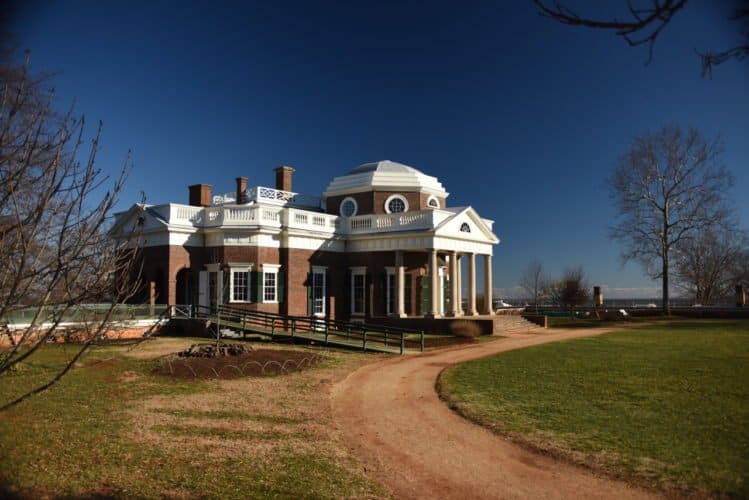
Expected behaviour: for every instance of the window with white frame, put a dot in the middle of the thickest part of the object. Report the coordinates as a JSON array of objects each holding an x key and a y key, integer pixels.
[
  {"x": 349, "y": 207},
  {"x": 433, "y": 202},
  {"x": 396, "y": 203},
  {"x": 358, "y": 290},
  {"x": 318, "y": 291},
  {"x": 465, "y": 228},
  {"x": 270, "y": 283},
  {"x": 239, "y": 283}
]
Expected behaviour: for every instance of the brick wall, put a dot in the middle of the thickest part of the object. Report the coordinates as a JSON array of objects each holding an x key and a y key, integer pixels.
[{"x": 373, "y": 202}]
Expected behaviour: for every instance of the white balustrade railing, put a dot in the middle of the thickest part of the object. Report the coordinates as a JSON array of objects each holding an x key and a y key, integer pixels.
[
  {"x": 250, "y": 215},
  {"x": 390, "y": 222}
]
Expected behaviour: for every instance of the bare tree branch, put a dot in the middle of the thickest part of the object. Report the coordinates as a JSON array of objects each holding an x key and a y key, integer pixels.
[
  {"x": 645, "y": 25},
  {"x": 56, "y": 254}
]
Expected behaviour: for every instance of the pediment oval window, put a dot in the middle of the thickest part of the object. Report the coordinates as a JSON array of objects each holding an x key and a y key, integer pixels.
[{"x": 465, "y": 228}]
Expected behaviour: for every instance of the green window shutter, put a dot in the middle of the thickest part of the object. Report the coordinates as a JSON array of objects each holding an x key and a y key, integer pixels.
[
  {"x": 347, "y": 294},
  {"x": 446, "y": 294},
  {"x": 225, "y": 284},
  {"x": 279, "y": 286},
  {"x": 256, "y": 286},
  {"x": 426, "y": 293},
  {"x": 309, "y": 294}
]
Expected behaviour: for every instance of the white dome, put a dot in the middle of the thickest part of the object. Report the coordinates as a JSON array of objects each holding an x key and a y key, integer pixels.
[{"x": 384, "y": 175}]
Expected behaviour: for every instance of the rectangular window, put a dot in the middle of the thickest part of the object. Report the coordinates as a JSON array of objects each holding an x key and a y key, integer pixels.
[
  {"x": 358, "y": 290},
  {"x": 240, "y": 286},
  {"x": 270, "y": 282},
  {"x": 390, "y": 291},
  {"x": 318, "y": 291}
]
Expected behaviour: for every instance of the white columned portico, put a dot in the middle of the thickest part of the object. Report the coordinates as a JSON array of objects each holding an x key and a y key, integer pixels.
[
  {"x": 454, "y": 286},
  {"x": 488, "y": 299},
  {"x": 471, "y": 285},
  {"x": 434, "y": 310},
  {"x": 400, "y": 283}
]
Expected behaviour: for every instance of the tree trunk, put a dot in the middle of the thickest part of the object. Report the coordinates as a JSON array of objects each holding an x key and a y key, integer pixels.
[{"x": 666, "y": 304}]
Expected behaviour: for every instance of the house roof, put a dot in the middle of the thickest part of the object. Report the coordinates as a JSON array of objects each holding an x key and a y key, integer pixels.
[{"x": 384, "y": 175}]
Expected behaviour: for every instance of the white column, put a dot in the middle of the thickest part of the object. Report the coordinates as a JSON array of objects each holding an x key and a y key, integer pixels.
[
  {"x": 400, "y": 284},
  {"x": 434, "y": 275},
  {"x": 471, "y": 285},
  {"x": 454, "y": 286},
  {"x": 488, "y": 299},
  {"x": 459, "y": 270}
]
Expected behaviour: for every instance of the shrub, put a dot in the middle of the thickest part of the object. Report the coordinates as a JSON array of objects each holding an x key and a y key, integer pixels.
[{"x": 465, "y": 328}]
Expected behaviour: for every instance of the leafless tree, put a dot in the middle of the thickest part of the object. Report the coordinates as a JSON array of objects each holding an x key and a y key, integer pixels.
[
  {"x": 54, "y": 209},
  {"x": 646, "y": 20},
  {"x": 668, "y": 188},
  {"x": 704, "y": 264},
  {"x": 533, "y": 282},
  {"x": 571, "y": 290}
]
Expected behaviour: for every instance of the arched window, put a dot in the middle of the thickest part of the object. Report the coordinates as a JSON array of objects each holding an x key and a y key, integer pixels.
[
  {"x": 349, "y": 207},
  {"x": 433, "y": 202},
  {"x": 465, "y": 228},
  {"x": 395, "y": 204}
]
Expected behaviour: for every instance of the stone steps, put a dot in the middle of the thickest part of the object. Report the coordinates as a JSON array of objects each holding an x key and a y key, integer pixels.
[{"x": 513, "y": 324}]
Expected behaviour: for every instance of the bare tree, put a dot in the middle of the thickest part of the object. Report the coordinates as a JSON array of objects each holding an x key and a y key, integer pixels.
[
  {"x": 667, "y": 188},
  {"x": 55, "y": 253},
  {"x": 533, "y": 282},
  {"x": 704, "y": 264},
  {"x": 571, "y": 290},
  {"x": 646, "y": 21}
]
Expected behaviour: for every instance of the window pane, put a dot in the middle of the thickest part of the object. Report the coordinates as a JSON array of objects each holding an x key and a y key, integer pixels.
[
  {"x": 269, "y": 286},
  {"x": 358, "y": 293},
  {"x": 396, "y": 205},
  {"x": 241, "y": 287},
  {"x": 318, "y": 293}
]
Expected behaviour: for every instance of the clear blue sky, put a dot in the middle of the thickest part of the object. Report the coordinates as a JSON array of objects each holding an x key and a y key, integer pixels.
[{"x": 518, "y": 116}]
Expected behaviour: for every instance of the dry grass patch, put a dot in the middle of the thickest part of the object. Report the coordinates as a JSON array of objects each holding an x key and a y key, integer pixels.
[{"x": 115, "y": 427}]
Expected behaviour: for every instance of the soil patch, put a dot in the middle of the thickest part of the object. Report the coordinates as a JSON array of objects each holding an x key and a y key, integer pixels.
[{"x": 251, "y": 364}]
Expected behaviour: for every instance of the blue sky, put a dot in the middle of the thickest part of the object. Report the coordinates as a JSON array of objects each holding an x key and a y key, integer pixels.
[{"x": 520, "y": 117}]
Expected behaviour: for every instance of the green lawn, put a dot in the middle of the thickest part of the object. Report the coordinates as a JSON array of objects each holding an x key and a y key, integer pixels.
[
  {"x": 114, "y": 429},
  {"x": 665, "y": 405}
]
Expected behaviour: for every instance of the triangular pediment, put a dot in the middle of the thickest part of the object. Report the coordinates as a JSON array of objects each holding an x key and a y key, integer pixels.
[
  {"x": 466, "y": 224},
  {"x": 136, "y": 218}
]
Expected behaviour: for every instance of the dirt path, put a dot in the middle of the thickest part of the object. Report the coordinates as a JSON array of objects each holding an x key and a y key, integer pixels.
[{"x": 407, "y": 438}]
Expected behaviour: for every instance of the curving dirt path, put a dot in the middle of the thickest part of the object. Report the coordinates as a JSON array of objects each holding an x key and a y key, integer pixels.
[{"x": 407, "y": 438}]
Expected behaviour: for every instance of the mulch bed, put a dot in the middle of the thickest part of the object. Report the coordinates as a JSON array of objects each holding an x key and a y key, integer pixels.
[{"x": 261, "y": 362}]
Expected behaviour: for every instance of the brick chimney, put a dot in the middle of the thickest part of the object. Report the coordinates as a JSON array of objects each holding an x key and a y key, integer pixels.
[
  {"x": 283, "y": 177},
  {"x": 241, "y": 190},
  {"x": 200, "y": 195}
]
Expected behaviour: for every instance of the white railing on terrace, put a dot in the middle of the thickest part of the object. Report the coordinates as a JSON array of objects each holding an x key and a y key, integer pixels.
[
  {"x": 270, "y": 195},
  {"x": 294, "y": 218},
  {"x": 380, "y": 223}
]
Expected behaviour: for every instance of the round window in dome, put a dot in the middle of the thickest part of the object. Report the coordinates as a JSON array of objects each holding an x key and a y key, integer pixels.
[
  {"x": 396, "y": 204},
  {"x": 348, "y": 207},
  {"x": 433, "y": 202}
]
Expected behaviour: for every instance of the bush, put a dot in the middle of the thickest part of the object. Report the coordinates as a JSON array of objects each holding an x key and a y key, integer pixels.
[{"x": 465, "y": 328}]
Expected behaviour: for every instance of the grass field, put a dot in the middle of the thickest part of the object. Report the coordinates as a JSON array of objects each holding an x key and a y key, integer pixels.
[
  {"x": 665, "y": 405},
  {"x": 111, "y": 428}
]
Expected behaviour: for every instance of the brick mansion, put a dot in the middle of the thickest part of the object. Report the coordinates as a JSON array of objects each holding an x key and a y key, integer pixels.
[{"x": 382, "y": 241}]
